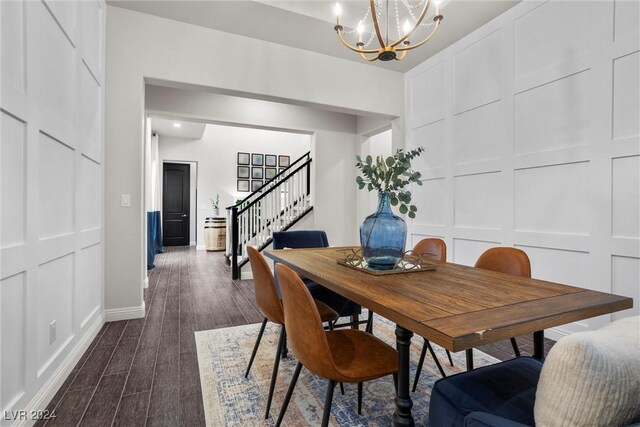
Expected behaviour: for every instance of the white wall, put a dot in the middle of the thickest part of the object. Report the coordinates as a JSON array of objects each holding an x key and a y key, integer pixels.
[
  {"x": 51, "y": 174},
  {"x": 143, "y": 47},
  {"x": 531, "y": 125},
  {"x": 215, "y": 155},
  {"x": 193, "y": 202},
  {"x": 374, "y": 146}
]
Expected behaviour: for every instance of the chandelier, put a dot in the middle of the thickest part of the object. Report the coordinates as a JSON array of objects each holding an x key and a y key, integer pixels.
[{"x": 393, "y": 39}]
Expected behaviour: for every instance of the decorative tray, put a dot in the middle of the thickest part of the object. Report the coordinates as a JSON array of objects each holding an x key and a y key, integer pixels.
[{"x": 409, "y": 263}]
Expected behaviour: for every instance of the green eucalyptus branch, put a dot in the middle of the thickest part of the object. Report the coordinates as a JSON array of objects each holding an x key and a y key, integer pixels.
[{"x": 392, "y": 175}]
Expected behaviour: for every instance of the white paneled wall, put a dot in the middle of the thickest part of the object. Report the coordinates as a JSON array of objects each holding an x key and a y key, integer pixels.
[
  {"x": 52, "y": 181},
  {"x": 531, "y": 125}
]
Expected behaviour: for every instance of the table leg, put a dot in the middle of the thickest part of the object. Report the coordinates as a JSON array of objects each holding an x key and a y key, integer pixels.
[
  {"x": 355, "y": 318},
  {"x": 469, "y": 355},
  {"x": 402, "y": 416},
  {"x": 538, "y": 345}
]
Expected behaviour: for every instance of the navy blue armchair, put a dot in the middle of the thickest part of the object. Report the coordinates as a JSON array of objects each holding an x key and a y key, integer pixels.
[
  {"x": 588, "y": 378},
  {"x": 500, "y": 395},
  {"x": 315, "y": 239}
]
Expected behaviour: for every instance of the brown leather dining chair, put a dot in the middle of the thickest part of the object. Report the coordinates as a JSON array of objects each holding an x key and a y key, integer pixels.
[
  {"x": 509, "y": 261},
  {"x": 503, "y": 260},
  {"x": 347, "y": 355},
  {"x": 435, "y": 249},
  {"x": 270, "y": 305}
]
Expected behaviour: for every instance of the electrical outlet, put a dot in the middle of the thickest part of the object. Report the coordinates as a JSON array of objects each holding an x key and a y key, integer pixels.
[{"x": 52, "y": 332}]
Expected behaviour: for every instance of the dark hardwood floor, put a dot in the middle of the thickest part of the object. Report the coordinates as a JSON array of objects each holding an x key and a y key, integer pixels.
[{"x": 145, "y": 371}]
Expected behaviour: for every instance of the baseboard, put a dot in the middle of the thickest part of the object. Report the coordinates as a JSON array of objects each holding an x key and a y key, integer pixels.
[
  {"x": 145, "y": 282},
  {"x": 126, "y": 313},
  {"x": 55, "y": 381},
  {"x": 201, "y": 248},
  {"x": 192, "y": 243},
  {"x": 555, "y": 333}
]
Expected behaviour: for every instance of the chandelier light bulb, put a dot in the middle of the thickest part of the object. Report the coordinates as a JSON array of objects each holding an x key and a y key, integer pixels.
[
  {"x": 360, "y": 27},
  {"x": 406, "y": 27},
  {"x": 337, "y": 9}
]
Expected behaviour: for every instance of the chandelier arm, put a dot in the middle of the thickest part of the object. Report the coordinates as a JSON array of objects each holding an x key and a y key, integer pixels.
[
  {"x": 354, "y": 48},
  {"x": 416, "y": 25},
  {"x": 363, "y": 56},
  {"x": 376, "y": 24},
  {"x": 401, "y": 56},
  {"x": 404, "y": 49}
]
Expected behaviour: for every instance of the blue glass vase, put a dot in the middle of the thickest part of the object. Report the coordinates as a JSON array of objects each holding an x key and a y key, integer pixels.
[{"x": 383, "y": 236}]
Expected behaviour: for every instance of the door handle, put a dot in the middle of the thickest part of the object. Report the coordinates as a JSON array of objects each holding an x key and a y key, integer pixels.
[{"x": 184, "y": 215}]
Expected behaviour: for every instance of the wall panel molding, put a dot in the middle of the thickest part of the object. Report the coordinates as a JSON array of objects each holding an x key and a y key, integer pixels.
[
  {"x": 564, "y": 136},
  {"x": 428, "y": 82},
  {"x": 51, "y": 207},
  {"x": 50, "y": 386}
]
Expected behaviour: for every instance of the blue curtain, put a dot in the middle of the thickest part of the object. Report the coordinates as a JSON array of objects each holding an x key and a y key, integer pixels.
[
  {"x": 154, "y": 237},
  {"x": 152, "y": 190}
]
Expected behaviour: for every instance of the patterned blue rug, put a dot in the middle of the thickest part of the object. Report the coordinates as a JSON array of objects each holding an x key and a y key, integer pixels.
[{"x": 232, "y": 400}]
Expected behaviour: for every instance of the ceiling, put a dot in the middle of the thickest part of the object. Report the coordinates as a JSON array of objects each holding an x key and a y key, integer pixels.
[
  {"x": 166, "y": 127},
  {"x": 308, "y": 24}
]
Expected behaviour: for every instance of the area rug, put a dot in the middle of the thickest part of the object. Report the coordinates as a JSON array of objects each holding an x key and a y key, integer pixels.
[{"x": 230, "y": 399}]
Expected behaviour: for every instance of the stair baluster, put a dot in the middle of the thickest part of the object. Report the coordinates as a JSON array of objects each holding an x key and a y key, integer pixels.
[{"x": 276, "y": 206}]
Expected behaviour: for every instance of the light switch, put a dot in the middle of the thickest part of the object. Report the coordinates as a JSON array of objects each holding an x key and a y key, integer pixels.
[{"x": 126, "y": 200}]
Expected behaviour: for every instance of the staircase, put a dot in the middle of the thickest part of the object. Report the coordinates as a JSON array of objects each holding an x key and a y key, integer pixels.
[{"x": 276, "y": 206}]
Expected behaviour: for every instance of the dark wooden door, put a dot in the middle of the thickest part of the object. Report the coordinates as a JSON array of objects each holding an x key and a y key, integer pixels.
[{"x": 175, "y": 204}]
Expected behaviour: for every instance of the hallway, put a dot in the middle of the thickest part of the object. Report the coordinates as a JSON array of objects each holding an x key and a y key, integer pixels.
[{"x": 145, "y": 371}]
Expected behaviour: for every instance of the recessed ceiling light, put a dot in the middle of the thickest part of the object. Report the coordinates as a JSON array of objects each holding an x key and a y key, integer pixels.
[{"x": 177, "y": 125}]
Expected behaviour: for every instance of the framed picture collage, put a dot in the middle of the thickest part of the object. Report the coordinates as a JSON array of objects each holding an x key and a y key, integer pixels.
[{"x": 255, "y": 169}]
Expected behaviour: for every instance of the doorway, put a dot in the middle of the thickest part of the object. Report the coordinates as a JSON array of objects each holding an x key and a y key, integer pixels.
[
  {"x": 379, "y": 144},
  {"x": 176, "y": 203}
]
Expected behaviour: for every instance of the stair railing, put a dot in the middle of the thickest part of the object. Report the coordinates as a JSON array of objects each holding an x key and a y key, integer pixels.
[{"x": 275, "y": 206}]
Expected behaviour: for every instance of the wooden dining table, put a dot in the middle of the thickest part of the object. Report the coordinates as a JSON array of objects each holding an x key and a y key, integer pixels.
[{"x": 454, "y": 306}]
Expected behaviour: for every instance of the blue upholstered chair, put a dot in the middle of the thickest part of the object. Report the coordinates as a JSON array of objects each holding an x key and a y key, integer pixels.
[
  {"x": 589, "y": 378},
  {"x": 501, "y": 394},
  {"x": 315, "y": 239},
  {"x": 300, "y": 239}
]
